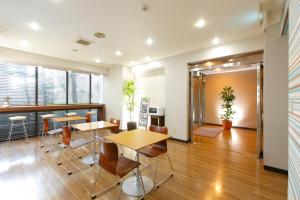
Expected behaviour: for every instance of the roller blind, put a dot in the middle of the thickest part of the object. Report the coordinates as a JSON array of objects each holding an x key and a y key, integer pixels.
[{"x": 79, "y": 88}]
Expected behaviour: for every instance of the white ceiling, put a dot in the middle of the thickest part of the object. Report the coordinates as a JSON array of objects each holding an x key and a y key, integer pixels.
[{"x": 169, "y": 22}]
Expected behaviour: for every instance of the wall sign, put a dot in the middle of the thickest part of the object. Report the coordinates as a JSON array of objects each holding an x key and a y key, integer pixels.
[{"x": 144, "y": 108}]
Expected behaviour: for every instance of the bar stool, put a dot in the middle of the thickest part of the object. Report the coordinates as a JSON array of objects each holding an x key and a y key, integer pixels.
[
  {"x": 47, "y": 130},
  {"x": 17, "y": 121}
]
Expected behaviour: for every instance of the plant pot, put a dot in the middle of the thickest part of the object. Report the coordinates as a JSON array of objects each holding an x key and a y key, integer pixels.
[{"x": 227, "y": 125}]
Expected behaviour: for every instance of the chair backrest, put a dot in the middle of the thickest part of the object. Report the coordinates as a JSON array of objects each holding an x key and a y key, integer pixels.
[
  {"x": 163, "y": 130},
  {"x": 109, "y": 156},
  {"x": 88, "y": 116},
  {"x": 131, "y": 126},
  {"x": 66, "y": 136},
  {"x": 117, "y": 122},
  {"x": 45, "y": 125}
]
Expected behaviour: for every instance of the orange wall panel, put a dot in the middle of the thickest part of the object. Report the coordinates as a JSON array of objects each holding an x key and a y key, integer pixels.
[{"x": 244, "y": 85}]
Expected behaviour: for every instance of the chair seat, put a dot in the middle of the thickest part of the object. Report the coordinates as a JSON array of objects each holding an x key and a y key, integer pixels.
[
  {"x": 80, "y": 142},
  {"x": 70, "y": 114},
  {"x": 17, "y": 118},
  {"x": 47, "y": 116},
  {"x": 151, "y": 151},
  {"x": 125, "y": 165},
  {"x": 55, "y": 131}
]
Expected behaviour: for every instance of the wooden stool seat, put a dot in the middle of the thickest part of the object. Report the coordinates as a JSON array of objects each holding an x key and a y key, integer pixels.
[{"x": 17, "y": 118}]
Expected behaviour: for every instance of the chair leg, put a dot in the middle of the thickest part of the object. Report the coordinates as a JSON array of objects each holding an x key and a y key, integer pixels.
[
  {"x": 58, "y": 159},
  {"x": 119, "y": 195},
  {"x": 25, "y": 131},
  {"x": 69, "y": 164},
  {"x": 170, "y": 164},
  {"x": 10, "y": 131},
  {"x": 91, "y": 195},
  {"x": 155, "y": 174}
]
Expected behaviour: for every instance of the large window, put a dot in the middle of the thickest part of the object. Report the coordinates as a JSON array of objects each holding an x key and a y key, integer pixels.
[
  {"x": 52, "y": 86},
  {"x": 20, "y": 83},
  {"x": 79, "y": 88}
]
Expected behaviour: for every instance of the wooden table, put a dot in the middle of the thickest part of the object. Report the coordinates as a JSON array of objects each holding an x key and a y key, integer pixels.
[
  {"x": 135, "y": 140},
  {"x": 68, "y": 119},
  {"x": 93, "y": 126}
]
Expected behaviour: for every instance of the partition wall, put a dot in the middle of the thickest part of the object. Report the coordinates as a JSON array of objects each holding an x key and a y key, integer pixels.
[{"x": 36, "y": 85}]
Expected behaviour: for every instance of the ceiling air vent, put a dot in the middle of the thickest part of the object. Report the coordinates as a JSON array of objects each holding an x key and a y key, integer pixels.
[{"x": 83, "y": 41}]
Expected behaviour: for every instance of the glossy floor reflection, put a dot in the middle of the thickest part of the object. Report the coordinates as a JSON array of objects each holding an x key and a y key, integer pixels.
[
  {"x": 203, "y": 171},
  {"x": 236, "y": 140}
]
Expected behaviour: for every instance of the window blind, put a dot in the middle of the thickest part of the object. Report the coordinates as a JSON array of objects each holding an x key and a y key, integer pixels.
[{"x": 17, "y": 82}]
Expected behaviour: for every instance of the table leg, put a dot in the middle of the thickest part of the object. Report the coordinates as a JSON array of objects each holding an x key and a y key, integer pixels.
[
  {"x": 133, "y": 186},
  {"x": 92, "y": 159}
]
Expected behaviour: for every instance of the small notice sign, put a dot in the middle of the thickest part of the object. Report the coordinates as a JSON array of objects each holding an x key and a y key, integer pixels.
[{"x": 144, "y": 108}]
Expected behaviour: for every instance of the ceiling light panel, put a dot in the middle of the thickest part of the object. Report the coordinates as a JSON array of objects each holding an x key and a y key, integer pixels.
[
  {"x": 119, "y": 53},
  {"x": 216, "y": 40},
  {"x": 34, "y": 26},
  {"x": 24, "y": 43},
  {"x": 149, "y": 41},
  {"x": 200, "y": 23}
]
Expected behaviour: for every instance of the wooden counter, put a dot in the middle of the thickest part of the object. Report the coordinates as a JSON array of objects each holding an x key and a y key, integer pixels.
[{"x": 32, "y": 108}]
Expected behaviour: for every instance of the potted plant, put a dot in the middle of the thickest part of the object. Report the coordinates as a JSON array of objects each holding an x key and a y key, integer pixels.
[
  {"x": 227, "y": 96},
  {"x": 129, "y": 90}
]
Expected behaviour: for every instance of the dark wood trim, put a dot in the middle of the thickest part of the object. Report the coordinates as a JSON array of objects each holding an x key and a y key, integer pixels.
[
  {"x": 191, "y": 64},
  {"x": 39, "y": 108},
  {"x": 274, "y": 169}
]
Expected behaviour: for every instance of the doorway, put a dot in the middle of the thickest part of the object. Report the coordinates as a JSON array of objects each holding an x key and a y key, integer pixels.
[{"x": 245, "y": 74}]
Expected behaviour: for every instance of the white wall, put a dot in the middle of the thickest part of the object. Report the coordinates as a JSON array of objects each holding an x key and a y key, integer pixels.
[
  {"x": 113, "y": 93},
  {"x": 276, "y": 99},
  {"x": 26, "y": 58},
  {"x": 152, "y": 84}
]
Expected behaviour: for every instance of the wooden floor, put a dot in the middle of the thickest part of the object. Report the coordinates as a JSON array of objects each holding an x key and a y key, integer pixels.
[{"x": 203, "y": 171}]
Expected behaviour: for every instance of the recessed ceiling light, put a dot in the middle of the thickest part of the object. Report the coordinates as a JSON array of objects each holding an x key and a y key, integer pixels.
[
  {"x": 216, "y": 40},
  {"x": 25, "y": 43},
  {"x": 231, "y": 60},
  {"x": 99, "y": 35},
  {"x": 147, "y": 58},
  {"x": 118, "y": 53},
  {"x": 75, "y": 50},
  {"x": 200, "y": 23},
  {"x": 98, "y": 60},
  {"x": 149, "y": 41},
  {"x": 34, "y": 26}
]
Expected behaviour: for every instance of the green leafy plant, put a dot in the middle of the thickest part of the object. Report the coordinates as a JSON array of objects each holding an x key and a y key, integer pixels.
[
  {"x": 227, "y": 96},
  {"x": 129, "y": 90}
]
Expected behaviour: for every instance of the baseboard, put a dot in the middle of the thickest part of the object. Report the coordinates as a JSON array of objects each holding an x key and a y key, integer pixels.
[
  {"x": 179, "y": 140},
  {"x": 274, "y": 169},
  {"x": 254, "y": 129}
]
